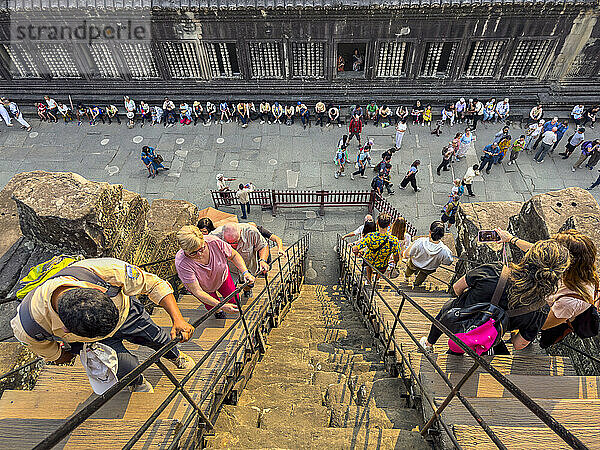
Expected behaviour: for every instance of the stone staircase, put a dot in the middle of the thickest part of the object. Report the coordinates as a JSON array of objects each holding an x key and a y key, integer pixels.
[
  {"x": 321, "y": 384},
  {"x": 550, "y": 380}
]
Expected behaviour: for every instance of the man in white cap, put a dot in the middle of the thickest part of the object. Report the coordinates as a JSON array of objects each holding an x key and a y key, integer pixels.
[{"x": 461, "y": 109}]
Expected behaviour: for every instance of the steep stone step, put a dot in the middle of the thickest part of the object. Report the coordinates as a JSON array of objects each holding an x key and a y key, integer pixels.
[
  {"x": 319, "y": 438},
  {"x": 510, "y": 412},
  {"x": 61, "y": 405},
  {"x": 278, "y": 394},
  {"x": 383, "y": 392},
  {"x": 483, "y": 385},
  {"x": 93, "y": 433},
  {"x": 517, "y": 364},
  {"x": 473, "y": 437},
  {"x": 351, "y": 416}
]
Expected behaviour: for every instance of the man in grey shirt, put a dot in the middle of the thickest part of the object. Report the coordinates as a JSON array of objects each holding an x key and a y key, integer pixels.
[
  {"x": 249, "y": 243},
  {"x": 573, "y": 142}
]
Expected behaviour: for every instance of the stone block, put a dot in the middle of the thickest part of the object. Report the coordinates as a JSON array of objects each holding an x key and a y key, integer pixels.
[{"x": 70, "y": 212}]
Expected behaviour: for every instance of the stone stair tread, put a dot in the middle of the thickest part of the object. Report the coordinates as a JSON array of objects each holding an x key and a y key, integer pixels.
[
  {"x": 56, "y": 405},
  {"x": 520, "y": 363},
  {"x": 473, "y": 437},
  {"x": 483, "y": 385},
  {"x": 510, "y": 412},
  {"x": 93, "y": 433},
  {"x": 320, "y": 438},
  {"x": 352, "y": 416}
]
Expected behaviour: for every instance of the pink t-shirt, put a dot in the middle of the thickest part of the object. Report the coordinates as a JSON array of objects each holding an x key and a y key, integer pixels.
[
  {"x": 568, "y": 307},
  {"x": 210, "y": 276}
]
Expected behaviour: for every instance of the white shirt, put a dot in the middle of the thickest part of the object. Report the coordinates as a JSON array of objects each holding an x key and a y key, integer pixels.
[
  {"x": 51, "y": 103},
  {"x": 130, "y": 105},
  {"x": 537, "y": 129},
  {"x": 469, "y": 175},
  {"x": 401, "y": 127},
  {"x": 63, "y": 109},
  {"x": 221, "y": 184}
]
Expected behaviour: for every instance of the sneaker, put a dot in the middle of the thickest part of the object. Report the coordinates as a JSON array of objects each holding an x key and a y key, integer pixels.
[
  {"x": 391, "y": 193},
  {"x": 539, "y": 162},
  {"x": 487, "y": 171},
  {"x": 342, "y": 174},
  {"x": 220, "y": 315},
  {"x": 262, "y": 121},
  {"x": 572, "y": 169},
  {"x": 428, "y": 348},
  {"x": 145, "y": 386},
  {"x": 352, "y": 176},
  {"x": 363, "y": 176},
  {"x": 471, "y": 195},
  {"x": 183, "y": 361},
  {"x": 248, "y": 293},
  {"x": 337, "y": 175},
  {"x": 418, "y": 189},
  {"x": 402, "y": 187},
  {"x": 339, "y": 125},
  {"x": 588, "y": 189}
]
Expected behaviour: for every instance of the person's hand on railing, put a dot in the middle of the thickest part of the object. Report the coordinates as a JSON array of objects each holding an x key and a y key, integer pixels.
[
  {"x": 248, "y": 277},
  {"x": 230, "y": 308},
  {"x": 263, "y": 266},
  {"x": 183, "y": 329}
]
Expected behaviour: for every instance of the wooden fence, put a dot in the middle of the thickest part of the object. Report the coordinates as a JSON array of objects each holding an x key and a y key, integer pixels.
[{"x": 275, "y": 199}]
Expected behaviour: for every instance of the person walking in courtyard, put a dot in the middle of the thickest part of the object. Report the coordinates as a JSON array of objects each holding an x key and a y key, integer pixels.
[
  {"x": 548, "y": 140},
  {"x": 14, "y": 110},
  {"x": 587, "y": 149},
  {"x": 560, "y": 132},
  {"x": 466, "y": 143},
  {"x": 341, "y": 157},
  {"x": 595, "y": 183},
  {"x": 243, "y": 195},
  {"x": 152, "y": 161},
  {"x": 490, "y": 152},
  {"x": 467, "y": 180},
  {"x": 400, "y": 131},
  {"x": 411, "y": 176},
  {"x": 363, "y": 161},
  {"x": 517, "y": 147},
  {"x": 355, "y": 128},
  {"x": 533, "y": 132},
  {"x": 447, "y": 153},
  {"x": 548, "y": 125},
  {"x": 449, "y": 210},
  {"x": 573, "y": 142}
]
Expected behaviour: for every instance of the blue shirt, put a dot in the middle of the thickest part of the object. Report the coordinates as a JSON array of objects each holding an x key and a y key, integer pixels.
[
  {"x": 562, "y": 129},
  {"x": 549, "y": 125},
  {"x": 493, "y": 151}
]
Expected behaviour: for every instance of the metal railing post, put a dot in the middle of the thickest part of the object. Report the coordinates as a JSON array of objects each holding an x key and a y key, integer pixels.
[
  {"x": 244, "y": 323},
  {"x": 397, "y": 316},
  {"x": 437, "y": 413}
]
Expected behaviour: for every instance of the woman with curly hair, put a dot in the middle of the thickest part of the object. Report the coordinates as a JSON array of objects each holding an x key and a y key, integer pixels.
[
  {"x": 531, "y": 282},
  {"x": 578, "y": 287}
]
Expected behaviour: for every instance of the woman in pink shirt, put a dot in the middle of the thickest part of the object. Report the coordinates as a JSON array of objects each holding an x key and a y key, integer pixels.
[{"x": 202, "y": 267}]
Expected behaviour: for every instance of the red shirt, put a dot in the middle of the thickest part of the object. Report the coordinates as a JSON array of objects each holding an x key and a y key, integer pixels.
[{"x": 355, "y": 126}]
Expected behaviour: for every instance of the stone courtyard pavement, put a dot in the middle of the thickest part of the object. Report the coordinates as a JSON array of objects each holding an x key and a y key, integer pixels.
[{"x": 281, "y": 157}]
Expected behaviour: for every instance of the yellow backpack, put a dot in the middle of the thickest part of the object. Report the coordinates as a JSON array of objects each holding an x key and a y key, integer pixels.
[{"x": 40, "y": 273}]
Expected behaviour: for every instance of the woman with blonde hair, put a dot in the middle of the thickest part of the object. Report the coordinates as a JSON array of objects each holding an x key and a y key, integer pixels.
[
  {"x": 530, "y": 283},
  {"x": 202, "y": 267},
  {"x": 578, "y": 288}
]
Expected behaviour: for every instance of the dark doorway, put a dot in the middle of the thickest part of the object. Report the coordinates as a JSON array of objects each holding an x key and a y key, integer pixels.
[{"x": 350, "y": 60}]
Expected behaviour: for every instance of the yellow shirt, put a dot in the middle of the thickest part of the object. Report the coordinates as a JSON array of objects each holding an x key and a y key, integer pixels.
[{"x": 133, "y": 281}]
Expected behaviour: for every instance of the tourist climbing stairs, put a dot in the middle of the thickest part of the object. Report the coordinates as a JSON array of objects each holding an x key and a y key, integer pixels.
[
  {"x": 321, "y": 384},
  {"x": 550, "y": 381},
  {"x": 61, "y": 392}
]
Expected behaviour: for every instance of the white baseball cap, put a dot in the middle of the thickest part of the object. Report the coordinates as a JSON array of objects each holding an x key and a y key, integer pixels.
[
  {"x": 219, "y": 176},
  {"x": 100, "y": 363}
]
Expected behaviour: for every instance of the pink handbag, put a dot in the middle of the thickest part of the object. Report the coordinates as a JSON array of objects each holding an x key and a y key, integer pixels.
[{"x": 480, "y": 339}]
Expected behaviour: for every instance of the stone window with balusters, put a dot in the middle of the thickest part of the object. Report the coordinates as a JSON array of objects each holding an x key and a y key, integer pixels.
[
  {"x": 483, "y": 58},
  {"x": 265, "y": 59},
  {"x": 308, "y": 59},
  {"x": 139, "y": 58},
  {"x": 222, "y": 59},
  {"x": 438, "y": 59},
  {"x": 21, "y": 62},
  {"x": 529, "y": 57},
  {"x": 392, "y": 59},
  {"x": 182, "y": 59},
  {"x": 59, "y": 59}
]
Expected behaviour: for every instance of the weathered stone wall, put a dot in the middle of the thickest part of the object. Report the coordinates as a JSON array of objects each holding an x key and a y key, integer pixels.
[
  {"x": 54, "y": 213},
  {"x": 539, "y": 218}
]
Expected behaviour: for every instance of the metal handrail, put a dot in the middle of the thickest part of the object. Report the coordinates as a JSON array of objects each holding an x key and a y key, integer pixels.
[
  {"x": 536, "y": 409},
  {"x": 77, "y": 419}
]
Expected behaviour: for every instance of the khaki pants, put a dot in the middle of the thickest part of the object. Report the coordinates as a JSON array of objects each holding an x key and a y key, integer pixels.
[{"x": 421, "y": 273}]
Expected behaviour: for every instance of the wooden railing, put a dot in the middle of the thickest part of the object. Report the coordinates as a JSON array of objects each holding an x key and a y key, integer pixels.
[{"x": 275, "y": 199}]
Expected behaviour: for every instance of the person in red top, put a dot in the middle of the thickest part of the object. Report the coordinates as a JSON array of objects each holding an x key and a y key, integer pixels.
[{"x": 355, "y": 128}]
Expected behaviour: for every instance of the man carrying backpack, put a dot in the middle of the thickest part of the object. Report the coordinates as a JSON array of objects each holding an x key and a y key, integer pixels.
[{"x": 93, "y": 301}]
